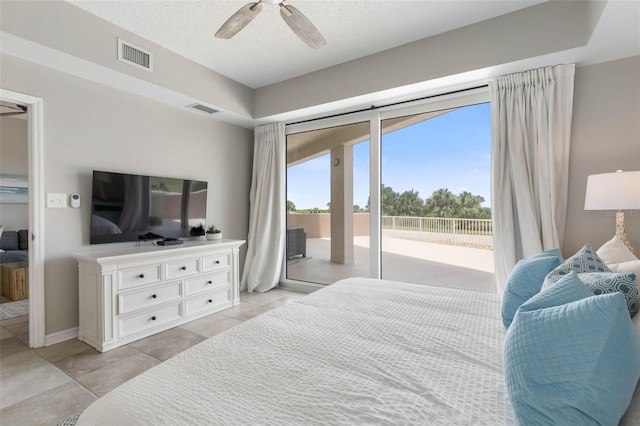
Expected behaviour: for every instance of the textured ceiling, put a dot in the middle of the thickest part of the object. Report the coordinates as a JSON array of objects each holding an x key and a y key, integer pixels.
[{"x": 352, "y": 28}]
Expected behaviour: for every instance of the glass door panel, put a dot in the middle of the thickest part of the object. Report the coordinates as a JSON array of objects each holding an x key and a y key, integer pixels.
[
  {"x": 327, "y": 204},
  {"x": 436, "y": 223}
]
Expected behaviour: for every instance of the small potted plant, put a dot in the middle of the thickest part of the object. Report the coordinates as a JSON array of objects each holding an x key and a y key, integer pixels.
[
  {"x": 213, "y": 233},
  {"x": 197, "y": 231}
]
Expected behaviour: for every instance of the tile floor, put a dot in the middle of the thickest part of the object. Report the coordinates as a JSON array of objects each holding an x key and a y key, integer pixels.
[{"x": 43, "y": 386}]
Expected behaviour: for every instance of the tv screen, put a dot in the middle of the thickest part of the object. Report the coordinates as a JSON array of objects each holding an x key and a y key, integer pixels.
[{"x": 125, "y": 207}]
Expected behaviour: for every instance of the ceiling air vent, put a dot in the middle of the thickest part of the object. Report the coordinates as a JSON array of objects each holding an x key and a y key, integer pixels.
[
  {"x": 202, "y": 108},
  {"x": 134, "y": 55}
]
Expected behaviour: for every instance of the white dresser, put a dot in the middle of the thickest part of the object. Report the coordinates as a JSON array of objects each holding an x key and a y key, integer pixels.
[{"x": 131, "y": 293}]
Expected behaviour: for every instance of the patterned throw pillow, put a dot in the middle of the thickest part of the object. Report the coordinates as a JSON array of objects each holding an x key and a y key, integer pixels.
[
  {"x": 585, "y": 260},
  {"x": 610, "y": 282}
]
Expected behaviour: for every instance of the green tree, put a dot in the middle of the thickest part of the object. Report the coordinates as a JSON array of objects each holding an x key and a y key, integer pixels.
[
  {"x": 443, "y": 203},
  {"x": 409, "y": 203},
  {"x": 291, "y": 207},
  {"x": 389, "y": 201},
  {"x": 470, "y": 206}
]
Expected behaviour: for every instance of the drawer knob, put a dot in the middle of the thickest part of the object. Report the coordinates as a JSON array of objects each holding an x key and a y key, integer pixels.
[
  {"x": 217, "y": 262},
  {"x": 210, "y": 300},
  {"x": 209, "y": 282},
  {"x": 153, "y": 296},
  {"x": 153, "y": 318},
  {"x": 141, "y": 276},
  {"x": 183, "y": 268}
]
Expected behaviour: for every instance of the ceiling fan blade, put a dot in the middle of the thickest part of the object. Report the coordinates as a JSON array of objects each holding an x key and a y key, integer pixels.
[
  {"x": 239, "y": 20},
  {"x": 18, "y": 110},
  {"x": 302, "y": 27}
]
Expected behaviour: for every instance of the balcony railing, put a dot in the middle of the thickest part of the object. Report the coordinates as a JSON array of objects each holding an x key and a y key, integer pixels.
[{"x": 454, "y": 231}]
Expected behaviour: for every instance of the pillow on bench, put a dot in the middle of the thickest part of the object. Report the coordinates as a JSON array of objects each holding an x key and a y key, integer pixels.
[
  {"x": 23, "y": 239},
  {"x": 9, "y": 240}
]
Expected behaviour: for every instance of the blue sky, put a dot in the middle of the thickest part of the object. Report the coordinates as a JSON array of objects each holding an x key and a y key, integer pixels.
[{"x": 449, "y": 151}]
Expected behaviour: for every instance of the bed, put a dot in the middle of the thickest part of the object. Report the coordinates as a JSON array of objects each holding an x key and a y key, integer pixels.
[{"x": 360, "y": 351}]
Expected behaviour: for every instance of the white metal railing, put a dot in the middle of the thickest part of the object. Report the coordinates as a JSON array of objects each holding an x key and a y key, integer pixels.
[{"x": 454, "y": 231}]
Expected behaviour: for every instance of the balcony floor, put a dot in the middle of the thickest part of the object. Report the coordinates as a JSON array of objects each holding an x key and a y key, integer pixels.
[{"x": 402, "y": 260}]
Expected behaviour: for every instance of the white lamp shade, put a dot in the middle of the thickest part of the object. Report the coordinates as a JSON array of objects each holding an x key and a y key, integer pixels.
[{"x": 613, "y": 191}]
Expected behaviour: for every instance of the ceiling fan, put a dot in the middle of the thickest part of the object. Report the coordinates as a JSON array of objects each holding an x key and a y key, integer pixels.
[
  {"x": 14, "y": 109},
  {"x": 299, "y": 23}
]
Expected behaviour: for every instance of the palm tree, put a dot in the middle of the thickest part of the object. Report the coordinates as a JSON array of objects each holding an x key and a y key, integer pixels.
[
  {"x": 470, "y": 205},
  {"x": 442, "y": 203},
  {"x": 410, "y": 204}
]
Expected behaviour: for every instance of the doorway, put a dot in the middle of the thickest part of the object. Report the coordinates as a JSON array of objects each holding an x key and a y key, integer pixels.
[
  {"x": 35, "y": 228},
  {"x": 393, "y": 173}
]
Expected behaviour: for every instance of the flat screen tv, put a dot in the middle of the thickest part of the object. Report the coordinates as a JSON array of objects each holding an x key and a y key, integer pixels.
[{"x": 126, "y": 207}]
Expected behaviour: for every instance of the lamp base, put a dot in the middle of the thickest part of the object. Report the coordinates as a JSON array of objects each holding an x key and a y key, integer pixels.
[{"x": 620, "y": 231}]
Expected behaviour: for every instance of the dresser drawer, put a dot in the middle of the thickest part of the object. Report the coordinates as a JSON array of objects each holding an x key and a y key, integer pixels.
[
  {"x": 183, "y": 268},
  {"x": 150, "y": 296},
  {"x": 140, "y": 275},
  {"x": 213, "y": 301},
  {"x": 216, "y": 262},
  {"x": 150, "y": 318},
  {"x": 206, "y": 282}
]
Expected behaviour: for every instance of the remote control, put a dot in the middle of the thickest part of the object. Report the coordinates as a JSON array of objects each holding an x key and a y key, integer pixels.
[{"x": 170, "y": 242}]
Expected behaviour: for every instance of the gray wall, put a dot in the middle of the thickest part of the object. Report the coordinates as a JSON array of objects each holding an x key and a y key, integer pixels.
[
  {"x": 605, "y": 137},
  {"x": 62, "y": 26},
  {"x": 14, "y": 157},
  {"x": 535, "y": 31},
  {"x": 88, "y": 126}
]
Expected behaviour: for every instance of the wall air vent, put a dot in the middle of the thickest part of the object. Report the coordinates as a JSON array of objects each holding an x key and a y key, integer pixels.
[
  {"x": 134, "y": 55},
  {"x": 202, "y": 108}
]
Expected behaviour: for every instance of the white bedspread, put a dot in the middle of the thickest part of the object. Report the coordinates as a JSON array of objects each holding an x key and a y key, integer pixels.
[{"x": 357, "y": 352}]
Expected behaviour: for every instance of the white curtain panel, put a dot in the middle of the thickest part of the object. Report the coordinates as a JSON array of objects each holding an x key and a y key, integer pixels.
[
  {"x": 265, "y": 243},
  {"x": 531, "y": 131}
]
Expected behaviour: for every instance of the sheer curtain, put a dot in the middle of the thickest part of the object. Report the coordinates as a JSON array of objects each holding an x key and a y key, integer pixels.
[
  {"x": 531, "y": 132},
  {"x": 265, "y": 247}
]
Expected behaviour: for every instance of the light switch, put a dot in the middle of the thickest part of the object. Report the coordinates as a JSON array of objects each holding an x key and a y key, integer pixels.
[{"x": 56, "y": 200}]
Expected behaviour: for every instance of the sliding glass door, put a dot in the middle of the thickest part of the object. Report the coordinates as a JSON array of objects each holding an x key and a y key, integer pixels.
[
  {"x": 400, "y": 193},
  {"x": 435, "y": 198},
  {"x": 327, "y": 204}
]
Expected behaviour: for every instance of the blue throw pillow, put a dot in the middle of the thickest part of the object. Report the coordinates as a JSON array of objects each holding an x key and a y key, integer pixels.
[
  {"x": 609, "y": 282},
  {"x": 526, "y": 281},
  {"x": 570, "y": 357},
  {"x": 585, "y": 260}
]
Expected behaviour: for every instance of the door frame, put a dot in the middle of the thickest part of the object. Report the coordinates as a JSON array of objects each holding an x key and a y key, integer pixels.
[
  {"x": 375, "y": 117},
  {"x": 36, "y": 212}
]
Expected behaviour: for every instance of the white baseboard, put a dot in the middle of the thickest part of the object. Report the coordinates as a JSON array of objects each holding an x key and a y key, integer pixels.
[{"x": 60, "y": 336}]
